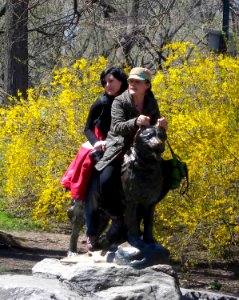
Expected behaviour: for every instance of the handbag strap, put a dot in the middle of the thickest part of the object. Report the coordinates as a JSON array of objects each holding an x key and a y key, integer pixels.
[
  {"x": 171, "y": 150},
  {"x": 185, "y": 186}
]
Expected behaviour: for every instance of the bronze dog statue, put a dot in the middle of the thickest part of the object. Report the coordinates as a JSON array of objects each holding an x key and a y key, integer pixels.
[{"x": 142, "y": 183}]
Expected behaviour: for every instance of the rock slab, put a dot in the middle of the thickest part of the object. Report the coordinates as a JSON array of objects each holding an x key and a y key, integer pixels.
[{"x": 111, "y": 281}]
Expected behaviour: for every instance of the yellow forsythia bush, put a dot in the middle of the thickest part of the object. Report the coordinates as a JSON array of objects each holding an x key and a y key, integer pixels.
[
  {"x": 39, "y": 138},
  {"x": 200, "y": 99}
]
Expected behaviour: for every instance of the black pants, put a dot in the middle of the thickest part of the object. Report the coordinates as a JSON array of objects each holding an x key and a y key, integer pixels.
[
  {"x": 111, "y": 189},
  {"x": 96, "y": 219}
]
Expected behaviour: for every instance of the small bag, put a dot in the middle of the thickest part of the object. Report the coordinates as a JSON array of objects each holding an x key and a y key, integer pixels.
[{"x": 174, "y": 171}]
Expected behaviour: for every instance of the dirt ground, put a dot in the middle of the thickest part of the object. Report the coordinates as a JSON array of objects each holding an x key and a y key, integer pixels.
[{"x": 19, "y": 252}]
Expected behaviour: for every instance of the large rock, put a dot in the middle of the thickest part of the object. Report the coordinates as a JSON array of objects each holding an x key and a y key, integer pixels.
[
  {"x": 111, "y": 281},
  {"x": 24, "y": 287}
]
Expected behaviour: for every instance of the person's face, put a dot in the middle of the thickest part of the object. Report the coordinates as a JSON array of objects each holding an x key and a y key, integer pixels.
[
  {"x": 112, "y": 85},
  {"x": 138, "y": 87}
]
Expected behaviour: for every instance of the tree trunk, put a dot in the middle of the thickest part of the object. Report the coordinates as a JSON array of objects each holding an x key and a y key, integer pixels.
[
  {"x": 128, "y": 40},
  {"x": 16, "y": 48}
]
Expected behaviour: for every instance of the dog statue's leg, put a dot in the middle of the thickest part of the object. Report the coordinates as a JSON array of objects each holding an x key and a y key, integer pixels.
[
  {"x": 77, "y": 220},
  {"x": 148, "y": 231},
  {"x": 131, "y": 221},
  {"x": 148, "y": 217}
]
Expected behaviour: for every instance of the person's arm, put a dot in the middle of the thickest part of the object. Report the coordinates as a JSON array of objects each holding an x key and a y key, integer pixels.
[
  {"x": 152, "y": 110},
  {"x": 123, "y": 121},
  {"x": 156, "y": 118},
  {"x": 94, "y": 113}
]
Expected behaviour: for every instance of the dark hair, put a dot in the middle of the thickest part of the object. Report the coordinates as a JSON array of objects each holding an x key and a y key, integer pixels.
[
  {"x": 118, "y": 73},
  {"x": 150, "y": 93}
]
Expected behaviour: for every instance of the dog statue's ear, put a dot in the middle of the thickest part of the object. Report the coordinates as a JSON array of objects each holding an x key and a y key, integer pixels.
[
  {"x": 158, "y": 126},
  {"x": 136, "y": 134},
  {"x": 141, "y": 129},
  {"x": 161, "y": 128}
]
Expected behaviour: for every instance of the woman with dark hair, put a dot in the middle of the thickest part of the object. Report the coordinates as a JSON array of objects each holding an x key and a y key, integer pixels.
[
  {"x": 114, "y": 81},
  {"x": 83, "y": 182},
  {"x": 134, "y": 108}
]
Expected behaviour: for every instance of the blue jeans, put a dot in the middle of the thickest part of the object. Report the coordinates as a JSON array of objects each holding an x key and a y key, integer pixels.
[{"x": 91, "y": 207}]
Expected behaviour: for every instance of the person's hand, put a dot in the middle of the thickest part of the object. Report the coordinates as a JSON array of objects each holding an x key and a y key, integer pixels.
[
  {"x": 143, "y": 121},
  {"x": 162, "y": 122},
  {"x": 100, "y": 145}
]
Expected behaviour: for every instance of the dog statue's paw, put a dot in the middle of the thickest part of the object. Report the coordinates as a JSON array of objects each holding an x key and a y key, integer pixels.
[
  {"x": 149, "y": 239},
  {"x": 136, "y": 242},
  {"x": 158, "y": 247}
]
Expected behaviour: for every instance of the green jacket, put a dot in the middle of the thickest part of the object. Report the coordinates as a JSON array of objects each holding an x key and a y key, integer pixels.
[{"x": 123, "y": 125}]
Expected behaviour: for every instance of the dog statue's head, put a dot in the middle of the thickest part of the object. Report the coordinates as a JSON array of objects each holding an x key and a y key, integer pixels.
[{"x": 149, "y": 142}]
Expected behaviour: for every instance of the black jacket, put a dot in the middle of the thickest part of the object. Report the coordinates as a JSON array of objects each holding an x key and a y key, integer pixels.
[{"x": 99, "y": 116}]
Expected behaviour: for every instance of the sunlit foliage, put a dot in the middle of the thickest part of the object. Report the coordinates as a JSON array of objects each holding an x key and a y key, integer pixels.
[
  {"x": 40, "y": 137},
  {"x": 200, "y": 99}
]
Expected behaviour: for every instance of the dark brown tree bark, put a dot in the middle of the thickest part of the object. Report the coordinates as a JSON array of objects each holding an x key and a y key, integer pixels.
[{"x": 16, "y": 48}]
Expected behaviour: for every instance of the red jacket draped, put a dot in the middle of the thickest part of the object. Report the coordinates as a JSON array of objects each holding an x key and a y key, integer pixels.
[{"x": 77, "y": 176}]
